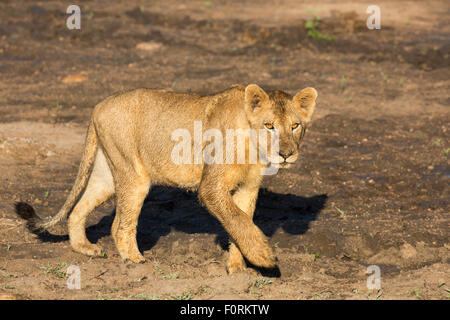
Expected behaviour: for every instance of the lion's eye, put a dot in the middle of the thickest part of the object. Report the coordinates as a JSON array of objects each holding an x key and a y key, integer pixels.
[
  {"x": 295, "y": 126},
  {"x": 269, "y": 125}
]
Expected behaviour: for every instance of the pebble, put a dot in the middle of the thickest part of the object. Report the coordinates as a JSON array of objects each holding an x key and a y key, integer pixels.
[
  {"x": 73, "y": 78},
  {"x": 149, "y": 46}
]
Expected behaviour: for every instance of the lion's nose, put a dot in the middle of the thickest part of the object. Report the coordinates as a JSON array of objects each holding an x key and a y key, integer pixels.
[{"x": 286, "y": 155}]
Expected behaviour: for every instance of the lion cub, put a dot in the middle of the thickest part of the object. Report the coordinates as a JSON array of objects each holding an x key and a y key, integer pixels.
[{"x": 130, "y": 147}]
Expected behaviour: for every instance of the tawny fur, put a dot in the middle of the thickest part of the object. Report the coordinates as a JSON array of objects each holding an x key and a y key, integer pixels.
[{"x": 128, "y": 149}]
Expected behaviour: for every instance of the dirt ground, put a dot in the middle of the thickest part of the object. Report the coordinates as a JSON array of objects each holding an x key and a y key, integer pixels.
[{"x": 371, "y": 187}]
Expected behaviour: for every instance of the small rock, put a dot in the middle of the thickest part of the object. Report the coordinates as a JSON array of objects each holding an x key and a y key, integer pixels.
[
  {"x": 407, "y": 251},
  {"x": 149, "y": 46},
  {"x": 73, "y": 78},
  {"x": 265, "y": 75}
]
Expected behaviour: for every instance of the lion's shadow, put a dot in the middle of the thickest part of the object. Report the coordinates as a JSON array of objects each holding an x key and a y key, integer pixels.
[{"x": 166, "y": 209}]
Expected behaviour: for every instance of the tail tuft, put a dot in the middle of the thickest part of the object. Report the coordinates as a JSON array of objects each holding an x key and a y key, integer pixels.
[
  {"x": 35, "y": 223},
  {"x": 26, "y": 212}
]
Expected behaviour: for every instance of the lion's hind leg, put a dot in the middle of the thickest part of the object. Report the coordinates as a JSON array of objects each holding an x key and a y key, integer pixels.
[
  {"x": 99, "y": 189},
  {"x": 131, "y": 192}
]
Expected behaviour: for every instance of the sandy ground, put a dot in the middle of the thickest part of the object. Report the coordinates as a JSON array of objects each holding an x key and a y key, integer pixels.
[{"x": 371, "y": 187}]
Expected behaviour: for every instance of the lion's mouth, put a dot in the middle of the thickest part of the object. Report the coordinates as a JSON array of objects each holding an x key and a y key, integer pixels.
[
  {"x": 285, "y": 165},
  {"x": 282, "y": 164}
]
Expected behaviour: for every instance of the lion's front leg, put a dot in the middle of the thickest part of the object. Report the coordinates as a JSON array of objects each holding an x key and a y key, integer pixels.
[
  {"x": 215, "y": 194},
  {"x": 245, "y": 198}
]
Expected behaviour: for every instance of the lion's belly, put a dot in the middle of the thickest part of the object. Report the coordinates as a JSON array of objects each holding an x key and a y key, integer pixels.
[
  {"x": 171, "y": 162},
  {"x": 185, "y": 176}
]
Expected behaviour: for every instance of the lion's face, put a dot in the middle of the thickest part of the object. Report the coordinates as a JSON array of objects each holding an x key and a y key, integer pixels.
[{"x": 282, "y": 115}]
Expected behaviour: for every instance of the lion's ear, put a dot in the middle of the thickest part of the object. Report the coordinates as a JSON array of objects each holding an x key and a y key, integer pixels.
[
  {"x": 305, "y": 102},
  {"x": 255, "y": 97}
]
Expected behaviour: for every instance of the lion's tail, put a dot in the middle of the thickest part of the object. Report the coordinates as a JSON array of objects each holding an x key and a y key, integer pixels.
[{"x": 36, "y": 223}]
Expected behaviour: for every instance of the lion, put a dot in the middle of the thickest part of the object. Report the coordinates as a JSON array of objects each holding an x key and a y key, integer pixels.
[{"x": 128, "y": 149}]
